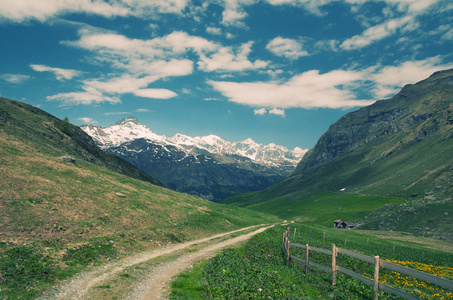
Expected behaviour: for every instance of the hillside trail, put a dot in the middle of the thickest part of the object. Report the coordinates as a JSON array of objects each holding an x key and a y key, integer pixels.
[{"x": 155, "y": 285}]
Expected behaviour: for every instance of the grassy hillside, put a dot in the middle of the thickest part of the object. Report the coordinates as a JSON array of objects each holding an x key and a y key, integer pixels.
[
  {"x": 321, "y": 209},
  {"x": 57, "y": 217},
  {"x": 45, "y": 131}
]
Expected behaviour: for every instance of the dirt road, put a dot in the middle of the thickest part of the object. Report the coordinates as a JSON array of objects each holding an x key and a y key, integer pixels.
[{"x": 154, "y": 286}]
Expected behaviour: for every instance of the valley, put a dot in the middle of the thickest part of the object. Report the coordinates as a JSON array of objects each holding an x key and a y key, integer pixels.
[{"x": 73, "y": 205}]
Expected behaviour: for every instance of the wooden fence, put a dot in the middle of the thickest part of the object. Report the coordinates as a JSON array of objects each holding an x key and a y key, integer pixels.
[{"x": 445, "y": 283}]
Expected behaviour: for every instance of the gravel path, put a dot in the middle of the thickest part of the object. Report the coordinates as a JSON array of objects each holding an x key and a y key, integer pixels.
[{"x": 154, "y": 286}]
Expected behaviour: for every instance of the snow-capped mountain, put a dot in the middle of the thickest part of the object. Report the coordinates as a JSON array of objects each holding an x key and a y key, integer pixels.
[
  {"x": 125, "y": 130},
  {"x": 207, "y": 166},
  {"x": 130, "y": 129}
]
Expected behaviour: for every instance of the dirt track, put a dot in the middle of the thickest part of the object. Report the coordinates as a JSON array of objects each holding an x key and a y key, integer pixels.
[{"x": 154, "y": 286}]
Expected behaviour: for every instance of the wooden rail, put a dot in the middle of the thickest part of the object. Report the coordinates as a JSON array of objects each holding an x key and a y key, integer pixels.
[{"x": 445, "y": 283}]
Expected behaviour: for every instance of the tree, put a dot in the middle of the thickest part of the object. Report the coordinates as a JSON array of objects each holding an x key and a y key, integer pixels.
[{"x": 65, "y": 126}]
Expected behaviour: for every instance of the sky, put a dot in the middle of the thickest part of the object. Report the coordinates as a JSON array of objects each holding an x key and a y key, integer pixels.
[{"x": 278, "y": 71}]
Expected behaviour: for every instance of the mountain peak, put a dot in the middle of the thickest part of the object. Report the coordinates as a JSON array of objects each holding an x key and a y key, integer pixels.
[
  {"x": 249, "y": 141},
  {"x": 130, "y": 119},
  {"x": 210, "y": 139}
]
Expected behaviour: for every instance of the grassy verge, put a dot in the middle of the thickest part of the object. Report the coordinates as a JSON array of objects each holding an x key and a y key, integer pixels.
[{"x": 257, "y": 269}]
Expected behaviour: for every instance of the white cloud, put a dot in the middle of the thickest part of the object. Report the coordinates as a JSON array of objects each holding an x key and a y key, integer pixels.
[
  {"x": 228, "y": 59},
  {"x": 139, "y": 56},
  {"x": 390, "y": 79},
  {"x": 60, "y": 74},
  {"x": 214, "y": 30},
  {"x": 117, "y": 113},
  {"x": 89, "y": 96},
  {"x": 261, "y": 111},
  {"x": 173, "y": 44},
  {"x": 146, "y": 8},
  {"x": 23, "y": 10},
  {"x": 334, "y": 89},
  {"x": 155, "y": 93},
  {"x": 411, "y": 6},
  {"x": 234, "y": 13},
  {"x": 274, "y": 111},
  {"x": 288, "y": 48},
  {"x": 142, "y": 110},
  {"x": 312, "y": 6},
  {"x": 379, "y": 32},
  {"x": 118, "y": 85},
  {"x": 87, "y": 120},
  {"x": 14, "y": 78},
  {"x": 136, "y": 63},
  {"x": 307, "y": 90},
  {"x": 277, "y": 111}
]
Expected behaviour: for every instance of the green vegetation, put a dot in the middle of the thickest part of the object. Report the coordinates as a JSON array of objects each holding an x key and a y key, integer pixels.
[
  {"x": 322, "y": 209},
  {"x": 65, "y": 126},
  {"x": 257, "y": 269},
  {"x": 60, "y": 218},
  {"x": 189, "y": 284},
  {"x": 89, "y": 253},
  {"x": 25, "y": 268}
]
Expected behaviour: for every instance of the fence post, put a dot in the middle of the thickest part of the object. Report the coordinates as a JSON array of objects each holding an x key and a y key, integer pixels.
[
  {"x": 334, "y": 264},
  {"x": 288, "y": 258},
  {"x": 307, "y": 248},
  {"x": 376, "y": 278},
  {"x": 283, "y": 247}
]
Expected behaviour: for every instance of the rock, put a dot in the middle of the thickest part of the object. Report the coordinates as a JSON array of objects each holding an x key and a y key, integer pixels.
[
  {"x": 68, "y": 159},
  {"x": 120, "y": 195}
]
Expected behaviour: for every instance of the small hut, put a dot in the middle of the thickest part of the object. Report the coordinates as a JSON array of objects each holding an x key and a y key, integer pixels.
[{"x": 344, "y": 225}]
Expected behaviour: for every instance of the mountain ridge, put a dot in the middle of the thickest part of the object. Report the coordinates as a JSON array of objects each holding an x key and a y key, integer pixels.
[
  {"x": 375, "y": 121},
  {"x": 128, "y": 129}
]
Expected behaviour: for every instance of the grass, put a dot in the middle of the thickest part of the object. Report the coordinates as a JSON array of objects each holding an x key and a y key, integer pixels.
[
  {"x": 323, "y": 208},
  {"x": 189, "y": 284},
  {"x": 257, "y": 269}
]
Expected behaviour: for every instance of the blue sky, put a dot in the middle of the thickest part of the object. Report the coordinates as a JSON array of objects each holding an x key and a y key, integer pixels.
[{"x": 275, "y": 71}]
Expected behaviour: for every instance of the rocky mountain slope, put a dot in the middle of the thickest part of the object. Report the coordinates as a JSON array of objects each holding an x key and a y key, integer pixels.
[
  {"x": 420, "y": 110},
  {"x": 401, "y": 147},
  {"x": 207, "y": 166}
]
